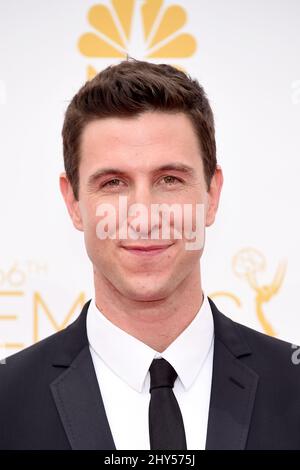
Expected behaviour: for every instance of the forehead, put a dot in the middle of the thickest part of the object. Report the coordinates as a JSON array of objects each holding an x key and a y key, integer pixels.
[{"x": 146, "y": 139}]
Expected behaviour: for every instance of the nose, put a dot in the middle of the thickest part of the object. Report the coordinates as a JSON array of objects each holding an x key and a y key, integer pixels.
[{"x": 139, "y": 210}]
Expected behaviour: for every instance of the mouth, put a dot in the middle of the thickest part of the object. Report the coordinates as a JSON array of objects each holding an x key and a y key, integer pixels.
[{"x": 151, "y": 250}]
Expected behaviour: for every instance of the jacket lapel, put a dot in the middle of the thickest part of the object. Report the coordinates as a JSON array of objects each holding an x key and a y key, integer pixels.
[
  {"x": 76, "y": 391},
  {"x": 80, "y": 406},
  {"x": 233, "y": 387}
]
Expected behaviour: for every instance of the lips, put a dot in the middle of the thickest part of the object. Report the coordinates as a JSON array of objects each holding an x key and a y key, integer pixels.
[{"x": 149, "y": 250}]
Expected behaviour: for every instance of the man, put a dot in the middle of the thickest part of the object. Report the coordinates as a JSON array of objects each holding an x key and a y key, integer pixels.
[{"x": 150, "y": 363}]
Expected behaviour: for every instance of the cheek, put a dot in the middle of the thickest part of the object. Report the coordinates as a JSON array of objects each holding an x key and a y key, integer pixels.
[
  {"x": 100, "y": 252},
  {"x": 100, "y": 225},
  {"x": 89, "y": 224},
  {"x": 89, "y": 209}
]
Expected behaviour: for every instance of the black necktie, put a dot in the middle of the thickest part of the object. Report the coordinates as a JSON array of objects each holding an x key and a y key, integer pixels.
[{"x": 166, "y": 428}]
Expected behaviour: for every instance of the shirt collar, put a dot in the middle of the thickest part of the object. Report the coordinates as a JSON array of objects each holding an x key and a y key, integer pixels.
[{"x": 130, "y": 358}]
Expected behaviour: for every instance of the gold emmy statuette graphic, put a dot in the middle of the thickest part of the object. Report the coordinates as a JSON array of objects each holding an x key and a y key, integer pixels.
[
  {"x": 246, "y": 264},
  {"x": 142, "y": 29}
]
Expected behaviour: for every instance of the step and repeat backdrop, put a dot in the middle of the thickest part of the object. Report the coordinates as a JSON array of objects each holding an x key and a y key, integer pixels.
[{"x": 246, "y": 54}]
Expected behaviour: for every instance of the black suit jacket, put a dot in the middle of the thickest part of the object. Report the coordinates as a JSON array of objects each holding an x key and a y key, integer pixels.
[{"x": 50, "y": 398}]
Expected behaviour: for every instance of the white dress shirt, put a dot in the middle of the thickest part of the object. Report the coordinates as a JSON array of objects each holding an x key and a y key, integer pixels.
[{"x": 122, "y": 364}]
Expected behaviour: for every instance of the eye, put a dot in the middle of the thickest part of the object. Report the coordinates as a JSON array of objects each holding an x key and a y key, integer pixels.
[
  {"x": 113, "y": 183},
  {"x": 170, "y": 180}
]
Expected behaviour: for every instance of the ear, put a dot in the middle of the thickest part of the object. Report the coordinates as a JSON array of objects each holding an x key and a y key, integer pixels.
[
  {"x": 71, "y": 202},
  {"x": 213, "y": 196}
]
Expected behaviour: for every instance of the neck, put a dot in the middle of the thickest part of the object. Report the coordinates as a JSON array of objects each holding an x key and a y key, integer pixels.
[{"x": 155, "y": 323}]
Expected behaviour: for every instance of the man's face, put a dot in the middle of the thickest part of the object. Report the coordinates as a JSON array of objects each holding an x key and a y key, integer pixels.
[{"x": 152, "y": 158}]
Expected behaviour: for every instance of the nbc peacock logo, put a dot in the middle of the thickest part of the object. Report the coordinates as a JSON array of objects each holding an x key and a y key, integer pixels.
[{"x": 143, "y": 29}]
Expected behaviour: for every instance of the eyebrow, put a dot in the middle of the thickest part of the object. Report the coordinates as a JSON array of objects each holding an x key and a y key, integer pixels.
[
  {"x": 183, "y": 168},
  {"x": 103, "y": 172},
  {"x": 180, "y": 167}
]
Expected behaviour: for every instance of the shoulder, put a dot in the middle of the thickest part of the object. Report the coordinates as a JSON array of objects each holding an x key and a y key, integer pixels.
[
  {"x": 273, "y": 359},
  {"x": 59, "y": 348},
  {"x": 28, "y": 363},
  {"x": 243, "y": 341},
  {"x": 262, "y": 343},
  {"x": 34, "y": 365}
]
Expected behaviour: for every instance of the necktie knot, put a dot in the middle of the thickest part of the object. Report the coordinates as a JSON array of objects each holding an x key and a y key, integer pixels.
[{"x": 162, "y": 374}]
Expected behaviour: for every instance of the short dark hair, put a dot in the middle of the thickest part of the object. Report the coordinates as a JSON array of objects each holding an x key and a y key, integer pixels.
[{"x": 131, "y": 88}]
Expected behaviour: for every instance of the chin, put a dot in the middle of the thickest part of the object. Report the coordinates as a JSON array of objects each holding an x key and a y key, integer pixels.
[
  {"x": 146, "y": 296},
  {"x": 147, "y": 291}
]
